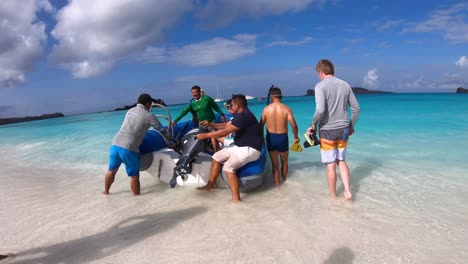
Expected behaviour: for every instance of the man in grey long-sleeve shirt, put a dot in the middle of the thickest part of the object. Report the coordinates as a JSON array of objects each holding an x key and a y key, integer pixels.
[
  {"x": 126, "y": 142},
  {"x": 332, "y": 97}
]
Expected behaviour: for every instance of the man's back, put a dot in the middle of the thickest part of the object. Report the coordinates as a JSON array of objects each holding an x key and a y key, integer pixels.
[
  {"x": 332, "y": 96},
  {"x": 134, "y": 127},
  {"x": 276, "y": 117},
  {"x": 249, "y": 133}
]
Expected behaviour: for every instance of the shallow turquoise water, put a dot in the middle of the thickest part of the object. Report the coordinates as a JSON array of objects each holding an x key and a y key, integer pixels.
[{"x": 409, "y": 176}]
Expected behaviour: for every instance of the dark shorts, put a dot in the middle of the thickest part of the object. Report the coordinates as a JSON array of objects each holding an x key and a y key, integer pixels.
[
  {"x": 279, "y": 142},
  {"x": 131, "y": 159},
  {"x": 333, "y": 144}
]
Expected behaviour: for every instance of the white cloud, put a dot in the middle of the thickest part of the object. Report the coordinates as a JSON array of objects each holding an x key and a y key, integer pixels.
[
  {"x": 153, "y": 55},
  {"x": 206, "y": 53},
  {"x": 215, "y": 51},
  {"x": 371, "y": 80},
  {"x": 413, "y": 84},
  {"x": 463, "y": 61},
  {"x": 94, "y": 35},
  {"x": 218, "y": 13},
  {"x": 22, "y": 39},
  {"x": 452, "y": 81},
  {"x": 450, "y": 22},
  {"x": 290, "y": 43},
  {"x": 389, "y": 24}
]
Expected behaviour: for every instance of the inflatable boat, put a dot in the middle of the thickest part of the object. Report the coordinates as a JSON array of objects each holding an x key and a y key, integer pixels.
[{"x": 181, "y": 159}]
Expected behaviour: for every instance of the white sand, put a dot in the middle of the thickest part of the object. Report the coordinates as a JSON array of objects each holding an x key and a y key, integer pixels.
[{"x": 51, "y": 215}]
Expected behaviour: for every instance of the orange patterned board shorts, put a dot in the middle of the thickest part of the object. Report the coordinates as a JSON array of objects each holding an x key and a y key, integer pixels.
[{"x": 333, "y": 144}]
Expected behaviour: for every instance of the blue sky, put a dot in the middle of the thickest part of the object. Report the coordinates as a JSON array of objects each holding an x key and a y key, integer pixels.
[{"x": 81, "y": 56}]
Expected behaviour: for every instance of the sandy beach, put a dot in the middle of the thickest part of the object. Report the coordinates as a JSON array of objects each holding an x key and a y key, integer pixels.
[
  {"x": 65, "y": 219},
  {"x": 409, "y": 187}
]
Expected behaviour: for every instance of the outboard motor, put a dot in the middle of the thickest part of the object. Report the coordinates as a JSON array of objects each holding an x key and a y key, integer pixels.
[{"x": 191, "y": 146}]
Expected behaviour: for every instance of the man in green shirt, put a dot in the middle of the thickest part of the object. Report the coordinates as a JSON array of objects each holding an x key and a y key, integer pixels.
[{"x": 202, "y": 106}]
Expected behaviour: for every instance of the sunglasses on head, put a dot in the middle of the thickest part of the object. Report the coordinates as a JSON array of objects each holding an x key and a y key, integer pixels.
[{"x": 227, "y": 105}]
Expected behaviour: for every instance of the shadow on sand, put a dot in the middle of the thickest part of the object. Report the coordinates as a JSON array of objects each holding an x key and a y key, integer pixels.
[
  {"x": 342, "y": 255},
  {"x": 118, "y": 237}
]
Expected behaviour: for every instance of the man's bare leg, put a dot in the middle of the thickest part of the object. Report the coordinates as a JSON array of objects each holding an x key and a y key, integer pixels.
[
  {"x": 135, "y": 184},
  {"x": 344, "y": 173},
  {"x": 215, "y": 144},
  {"x": 215, "y": 170},
  {"x": 284, "y": 164},
  {"x": 234, "y": 186},
  {"x": 110, "y": 176},
  {"x": 275, "y": 167},
  {"x": 331, "y": 177}
]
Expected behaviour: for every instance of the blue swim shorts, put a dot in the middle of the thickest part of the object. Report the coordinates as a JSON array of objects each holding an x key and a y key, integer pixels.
[
  {"x": 131, "y": 159},
  {"x": 279, "y": 142},
  {"x": 333, "y": 144}
]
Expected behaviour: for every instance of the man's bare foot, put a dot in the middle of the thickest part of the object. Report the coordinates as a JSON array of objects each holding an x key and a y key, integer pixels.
[
  {"x": 278, "y": 184},
  {"x": 236, "y": 200},
  {"x": 208, "y": 187},
  {"x": 348, "y": 196},
  {"x": 3, "y": 257},
  {"x": 105, "y": 192}
]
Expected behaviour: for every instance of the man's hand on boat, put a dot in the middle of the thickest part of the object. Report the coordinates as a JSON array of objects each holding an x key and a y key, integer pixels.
[
  {"x": 202, "y": 136},
  {"x": 204, "y": 123}
]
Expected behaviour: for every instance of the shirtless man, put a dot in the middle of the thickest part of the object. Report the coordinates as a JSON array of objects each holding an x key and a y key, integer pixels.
[{"x": 276, "y": 116}]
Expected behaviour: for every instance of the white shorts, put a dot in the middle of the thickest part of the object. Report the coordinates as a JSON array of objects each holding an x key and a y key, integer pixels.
[{"x": 235, "y": 157}]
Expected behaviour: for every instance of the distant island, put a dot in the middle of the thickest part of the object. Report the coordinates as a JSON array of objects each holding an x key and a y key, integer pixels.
[
  {"x": 462, "y": 90},
  {"x": 158, "y": 101},
  {"x": 356, "y": 90},
  {"x": 12, "y": 120},
  {"x": 5, "y": 121}
]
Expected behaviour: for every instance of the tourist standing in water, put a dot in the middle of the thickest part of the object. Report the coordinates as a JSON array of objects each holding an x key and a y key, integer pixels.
[
  {"x": 276, "y": 117},
  {"x": 125, "y": 146},
  {"x": 332, "y": 98},
  {"x": 248, "y": 144}
]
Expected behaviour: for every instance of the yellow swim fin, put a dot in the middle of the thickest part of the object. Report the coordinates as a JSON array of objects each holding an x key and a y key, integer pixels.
[{"x": 296, "y": 147}]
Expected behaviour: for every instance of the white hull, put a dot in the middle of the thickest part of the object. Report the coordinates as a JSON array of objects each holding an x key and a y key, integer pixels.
[
  {"x": 192, "y": 166},
  {"x": 164, "y": 162}
]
